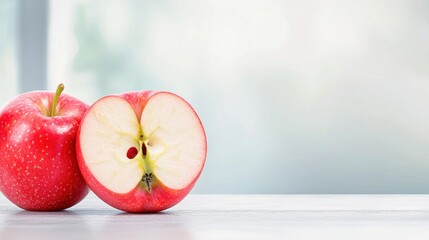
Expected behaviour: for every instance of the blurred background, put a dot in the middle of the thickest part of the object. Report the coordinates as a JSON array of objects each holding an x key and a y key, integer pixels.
[{"x": 296, "y": 96}]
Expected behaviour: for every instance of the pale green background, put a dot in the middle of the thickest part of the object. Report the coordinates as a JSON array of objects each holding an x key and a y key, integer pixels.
[{"x": 296, "y": 96}]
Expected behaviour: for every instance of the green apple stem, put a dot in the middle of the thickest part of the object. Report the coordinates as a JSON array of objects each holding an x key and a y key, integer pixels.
[{"x": 60, "y": 89}]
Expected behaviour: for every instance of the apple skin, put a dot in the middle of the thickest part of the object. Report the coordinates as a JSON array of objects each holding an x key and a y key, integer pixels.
[
  {"x": 138, "y": 200},
  {"x": 38, "y": 166}
]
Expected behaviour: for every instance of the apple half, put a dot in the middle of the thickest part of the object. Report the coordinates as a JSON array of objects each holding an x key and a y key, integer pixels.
[{"x": 141, "y": 151}]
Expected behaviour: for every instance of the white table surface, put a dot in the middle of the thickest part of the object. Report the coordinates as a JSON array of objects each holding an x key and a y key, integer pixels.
[{"x": 231, "y": 217}]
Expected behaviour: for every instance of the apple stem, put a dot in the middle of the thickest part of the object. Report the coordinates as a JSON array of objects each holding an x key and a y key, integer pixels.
[{"x": 60, "y": 89}]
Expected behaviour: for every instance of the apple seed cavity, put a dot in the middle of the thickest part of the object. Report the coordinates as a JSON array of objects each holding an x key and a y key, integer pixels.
[{"x": 147, "y": 177}]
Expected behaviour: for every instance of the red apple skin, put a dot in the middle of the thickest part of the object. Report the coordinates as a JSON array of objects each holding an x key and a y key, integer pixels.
[
  {"x": 138, "y": 200},
  {"x": 38, "y": 166}
]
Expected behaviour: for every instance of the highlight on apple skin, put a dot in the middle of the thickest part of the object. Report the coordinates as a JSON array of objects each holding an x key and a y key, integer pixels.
[
  {"x": 141, "y": 151},
  {"x": 38, "y": 166}
]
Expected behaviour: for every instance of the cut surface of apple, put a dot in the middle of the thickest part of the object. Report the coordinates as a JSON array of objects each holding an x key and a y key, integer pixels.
[{"x": 123, "y": 149}]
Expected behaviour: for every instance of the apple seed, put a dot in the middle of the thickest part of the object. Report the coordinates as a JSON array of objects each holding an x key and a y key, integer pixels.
[
  {"x": 144, "y": 149},
  {"x": 132, "y": 152}
]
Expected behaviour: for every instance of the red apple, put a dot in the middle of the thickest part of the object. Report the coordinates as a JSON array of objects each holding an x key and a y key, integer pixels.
[
  {"x": 38, "y": 166},
  {"x": 141, "y": 151}
]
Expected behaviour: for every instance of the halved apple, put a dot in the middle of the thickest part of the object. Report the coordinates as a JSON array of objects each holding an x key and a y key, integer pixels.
[{"x": 141, "y": 151}]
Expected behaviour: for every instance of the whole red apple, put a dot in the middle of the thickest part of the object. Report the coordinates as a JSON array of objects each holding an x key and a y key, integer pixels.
[
  {"x": 38, "y": 166},
  {"x": 141, "y": 151}
]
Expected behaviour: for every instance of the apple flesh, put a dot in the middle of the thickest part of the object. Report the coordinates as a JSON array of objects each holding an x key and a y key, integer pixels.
[
  {"x": 141, "y": 151},
  {"x": 38, "y": 166}
]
